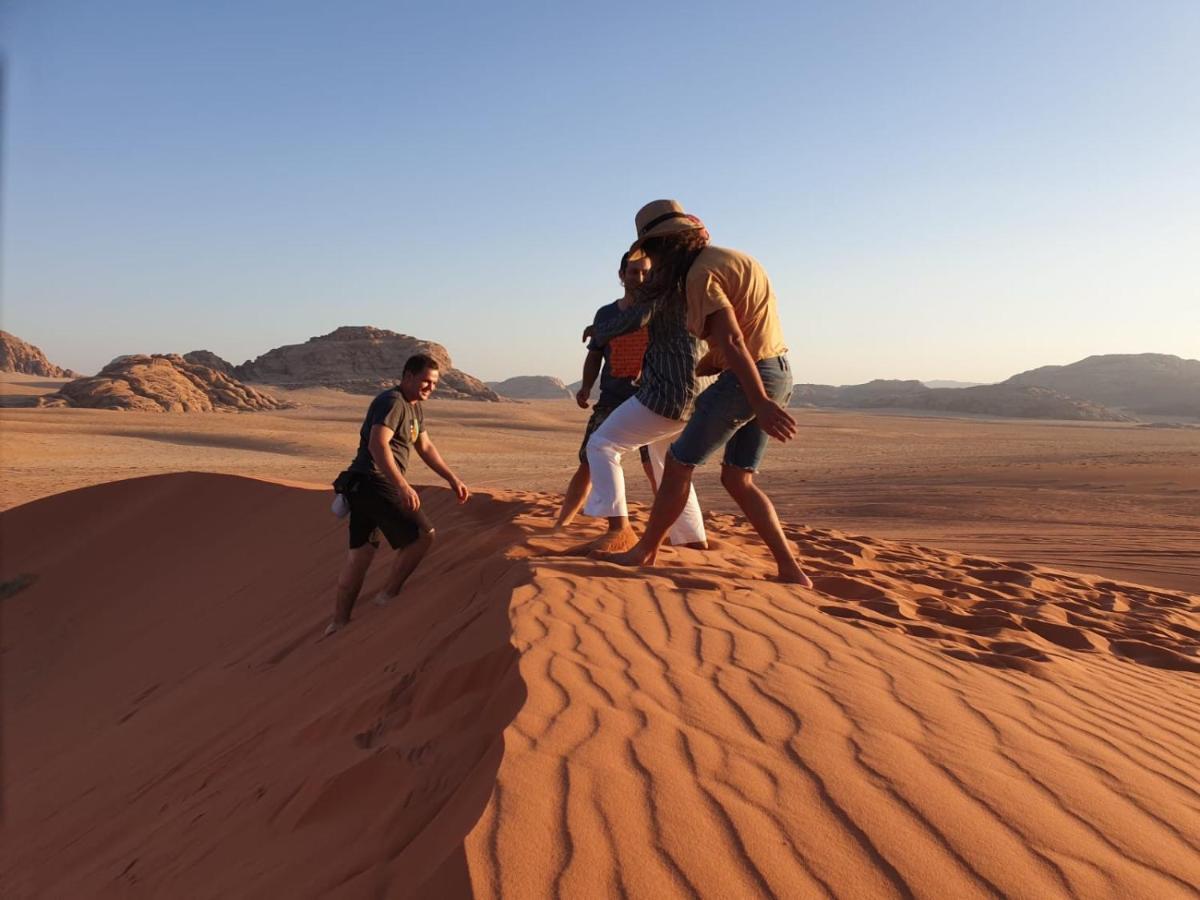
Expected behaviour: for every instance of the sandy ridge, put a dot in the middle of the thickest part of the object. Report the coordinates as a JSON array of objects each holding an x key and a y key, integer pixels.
[{"x": 530, "y": 724}]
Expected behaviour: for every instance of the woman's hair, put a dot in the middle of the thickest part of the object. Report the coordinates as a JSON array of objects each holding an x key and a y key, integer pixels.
[{"x": 671, "y": 255}]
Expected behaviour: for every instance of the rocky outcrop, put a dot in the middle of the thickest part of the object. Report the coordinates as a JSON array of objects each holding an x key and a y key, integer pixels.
[
  {"x": 531, "y": 387},
  {"x": 22, "y": 357},
  {"x": 1153, "y": 384},
  {"x": 1005, "y": 400},
  {"x": 210, "y": 359},
  {"x": 162, "y": 383},
  {"x": 360, "y": 359}
]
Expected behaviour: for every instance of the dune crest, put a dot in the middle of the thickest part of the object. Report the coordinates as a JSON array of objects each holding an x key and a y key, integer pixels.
[{"x": 529, "y": 724}]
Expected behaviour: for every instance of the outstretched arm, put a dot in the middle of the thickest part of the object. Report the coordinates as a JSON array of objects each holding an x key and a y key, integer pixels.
[
  {"x": 724, "y": 334},
  {"x": 433, "y": 459}
]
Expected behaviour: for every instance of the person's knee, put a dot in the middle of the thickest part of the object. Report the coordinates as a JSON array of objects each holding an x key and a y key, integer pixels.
[
  {"x": 676, "y": 472},
  {"x": 736, "y": 480}
]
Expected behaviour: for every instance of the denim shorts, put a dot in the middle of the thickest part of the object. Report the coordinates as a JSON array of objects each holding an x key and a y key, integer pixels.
[{"x": 723, "y": 416}]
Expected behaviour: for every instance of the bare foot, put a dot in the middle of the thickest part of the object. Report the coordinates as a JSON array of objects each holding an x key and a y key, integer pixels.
[
  {"x": 334, "y": 627},
  {"x": 794, "y": 575},
  {"x": 382, "y": 599},
  {"x": 614, "y": 541}
]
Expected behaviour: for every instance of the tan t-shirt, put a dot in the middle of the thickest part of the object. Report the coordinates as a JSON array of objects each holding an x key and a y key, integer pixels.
[{"x": 720, "y": 278}]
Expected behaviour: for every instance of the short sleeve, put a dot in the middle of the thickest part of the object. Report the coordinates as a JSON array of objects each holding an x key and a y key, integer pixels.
[
  {"x": 705, "y": 295},
  {"x": 597, "y": 321},
  {"x": 391, "y": 415}
]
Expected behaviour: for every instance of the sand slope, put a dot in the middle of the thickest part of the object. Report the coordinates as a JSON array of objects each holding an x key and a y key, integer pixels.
[{"x": 530, "y": 724}]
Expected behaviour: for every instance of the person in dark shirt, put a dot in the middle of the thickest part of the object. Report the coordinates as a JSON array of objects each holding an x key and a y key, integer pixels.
[
  {"x": 617, "y": 363},
  {"x": 379, "y": 494}
]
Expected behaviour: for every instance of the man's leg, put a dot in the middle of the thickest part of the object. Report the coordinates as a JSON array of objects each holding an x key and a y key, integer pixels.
[
  {"x": 761, "y": 512},
  {"x": 577, "y": 494},
  {"x": 350, "y": 581},
  {"x": 406, "y": 562}
]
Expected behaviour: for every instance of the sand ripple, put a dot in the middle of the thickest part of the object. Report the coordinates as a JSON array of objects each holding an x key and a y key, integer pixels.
[{"x": 530, "y": 724}]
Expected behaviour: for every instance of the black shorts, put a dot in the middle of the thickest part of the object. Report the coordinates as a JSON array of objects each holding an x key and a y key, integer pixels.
[
  {"x": 374, "y": 507},
  {"x": 599, "y": 414}
]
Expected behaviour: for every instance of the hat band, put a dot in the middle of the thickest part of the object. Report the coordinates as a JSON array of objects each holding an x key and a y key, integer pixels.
[{"x": 665, "y": 217}]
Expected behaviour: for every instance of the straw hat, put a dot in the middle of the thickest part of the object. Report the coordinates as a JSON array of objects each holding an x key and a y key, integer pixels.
[{"x": 660, "y": 217}]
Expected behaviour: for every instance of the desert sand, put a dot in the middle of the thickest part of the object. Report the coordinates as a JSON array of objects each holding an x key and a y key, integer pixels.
[
  {"x": 523, "y": 723},
  {"x": 1107, "y": 498}
]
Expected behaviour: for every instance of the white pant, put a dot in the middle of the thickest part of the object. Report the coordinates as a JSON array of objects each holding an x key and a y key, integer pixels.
[{"x": 628, "y": 427}]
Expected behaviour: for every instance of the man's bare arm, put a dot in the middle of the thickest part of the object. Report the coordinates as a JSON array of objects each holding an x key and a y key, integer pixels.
[
  {"x": 591, "y": 371},
  {"x": 725, "y": 334},
  {"x": 381, "y": 452},
  {"x": 429, "y": 453}
]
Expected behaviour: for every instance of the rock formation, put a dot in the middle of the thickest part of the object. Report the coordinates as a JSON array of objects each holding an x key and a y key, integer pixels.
[
  {"x": 360, "y": 359},
  {"x": 531, "y": 387},
  {"x": 19, "y": 356},
  {"x": 210, "y": 359},
  {"x": 1155, "y": 384},
  {"x": 161, "y": 383}
]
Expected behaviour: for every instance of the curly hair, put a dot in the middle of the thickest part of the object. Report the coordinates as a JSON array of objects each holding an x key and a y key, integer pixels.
[{"x": 671, "y": 255}]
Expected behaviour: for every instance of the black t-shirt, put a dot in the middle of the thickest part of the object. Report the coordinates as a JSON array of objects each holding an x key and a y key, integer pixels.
[{"x": 406, "y": 419}]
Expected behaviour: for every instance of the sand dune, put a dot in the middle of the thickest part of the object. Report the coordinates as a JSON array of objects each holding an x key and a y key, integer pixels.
[{"x": 526, "y": 724}]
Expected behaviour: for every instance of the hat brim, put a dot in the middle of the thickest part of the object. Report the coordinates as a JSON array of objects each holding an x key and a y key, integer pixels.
[{"x": 672, "y": 226}]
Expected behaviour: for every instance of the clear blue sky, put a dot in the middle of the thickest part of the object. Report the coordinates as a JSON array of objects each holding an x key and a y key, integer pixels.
[{"x": 938, "y": 190}]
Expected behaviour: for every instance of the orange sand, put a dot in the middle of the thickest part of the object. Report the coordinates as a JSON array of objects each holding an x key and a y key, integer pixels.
[
  {"x": 1115, "y": 500},
  {"x": 526, "y": 724}
]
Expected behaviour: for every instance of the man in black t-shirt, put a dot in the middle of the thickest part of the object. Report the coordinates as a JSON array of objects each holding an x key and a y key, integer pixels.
[{"x": 377, "y": 489}]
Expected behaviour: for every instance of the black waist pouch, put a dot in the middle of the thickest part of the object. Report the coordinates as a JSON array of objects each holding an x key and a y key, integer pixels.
[{"x": 347, "y": 482}]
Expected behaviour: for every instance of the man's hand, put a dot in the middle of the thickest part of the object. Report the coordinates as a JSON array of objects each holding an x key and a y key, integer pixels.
[
  {"x": 460, "y": 490},
  {"x": 775, "y": 420},
  {"x": 582, "y": 396},
  {"x": 588, "y": 332},
  {"x": 409, "y": 498}
]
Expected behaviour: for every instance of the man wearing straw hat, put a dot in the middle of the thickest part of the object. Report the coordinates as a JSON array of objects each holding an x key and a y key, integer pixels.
[{"x": 730, "y": 303}]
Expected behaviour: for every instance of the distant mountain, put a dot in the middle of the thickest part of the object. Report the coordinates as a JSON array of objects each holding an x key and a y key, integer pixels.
[
  {"x": 952, "y": 384},
  {"x": 161, "y": 383},
  {"x": 359, "y": 359},
  {"x": 1010, "y": 401},
  {"x": 210, "y": 359},
  {"x": 531, "y": 387},
  {"x": 1154, "y": 384},
  {"x": 24, "y": 358}
]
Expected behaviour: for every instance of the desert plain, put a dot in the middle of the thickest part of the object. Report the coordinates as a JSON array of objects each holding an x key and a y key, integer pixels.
[{"x": 992, "y": 690}]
